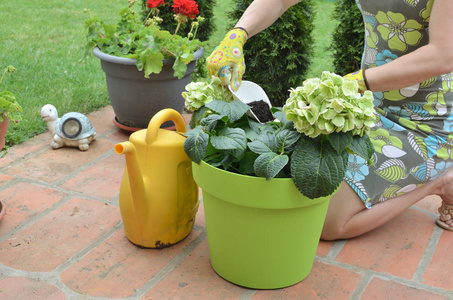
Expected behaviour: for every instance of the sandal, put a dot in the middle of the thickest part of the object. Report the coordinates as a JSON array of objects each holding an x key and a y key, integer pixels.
[{"x": 446, "y": 213}]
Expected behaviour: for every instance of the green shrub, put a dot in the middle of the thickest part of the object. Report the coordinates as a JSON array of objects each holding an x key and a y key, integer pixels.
[
  {"x": 347, "y": 40},
  {"x": 278, "y": 58}
]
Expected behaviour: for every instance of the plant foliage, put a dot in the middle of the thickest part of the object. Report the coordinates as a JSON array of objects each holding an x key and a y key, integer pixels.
[
  {"x": 9, "y": 107},
  {"x": 205, "y": 29},
  {"x": 144, "y": 40},
  {"x": 279, "y": 57},
  {"x": 347, "y": 41},
  {"x": 224, "y": 136}
]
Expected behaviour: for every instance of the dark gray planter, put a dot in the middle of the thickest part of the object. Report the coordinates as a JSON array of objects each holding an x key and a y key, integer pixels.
[{"x": 136, "y": 99}]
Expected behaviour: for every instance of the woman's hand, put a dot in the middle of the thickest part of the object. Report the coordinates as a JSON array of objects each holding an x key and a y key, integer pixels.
[{"x": 227, "y": 60}]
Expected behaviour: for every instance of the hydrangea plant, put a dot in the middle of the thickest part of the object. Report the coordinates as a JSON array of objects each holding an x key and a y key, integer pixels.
[
  {"x": 200, "y": 93},
  {"x": 310, "y": 140},
  {"x": 330, "y": 104}
]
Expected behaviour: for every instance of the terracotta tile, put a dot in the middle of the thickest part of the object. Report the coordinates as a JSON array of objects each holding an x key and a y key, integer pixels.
[
  {"x": 324, "y": 282},
  {"x": 383, "y": 289},
  {"x": 120, "y": 136},
  {"x": 116, "y": 268},
  {"x": 18, "y": 152},
  {"x": 194, "y": 278},
  {"x": 57, "y": 236},
  {"x": 324, "y": 248},
  {"x": 101, "y": 180},
  {"x": 24, "y": 201},
  {"x": 52, "y": 165},
  {"x": 395, "y": 248},
  {"x": 102, "y": 120},
  {"x": 439, "y": 272},
  {"x": 430, "y": 203},
  {"x": 200, "y": 219},
  {"x": 26, "y": 288},
  {"x": 5, "y": 178}
]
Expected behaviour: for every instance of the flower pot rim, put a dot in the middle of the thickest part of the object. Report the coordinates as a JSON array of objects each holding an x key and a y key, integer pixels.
[
  {"x": 131, "y": 61},
  {"x": 282, "y": 191}
]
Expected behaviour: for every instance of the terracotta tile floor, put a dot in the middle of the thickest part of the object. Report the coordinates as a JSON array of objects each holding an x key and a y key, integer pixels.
[{"x": 62, "y": 238}]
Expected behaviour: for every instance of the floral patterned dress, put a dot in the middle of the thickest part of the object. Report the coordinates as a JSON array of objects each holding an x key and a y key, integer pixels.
[{"x": 414, "y": 136}]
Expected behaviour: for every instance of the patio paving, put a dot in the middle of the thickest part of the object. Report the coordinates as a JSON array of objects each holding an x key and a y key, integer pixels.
[{"x": 62, "y": 238}]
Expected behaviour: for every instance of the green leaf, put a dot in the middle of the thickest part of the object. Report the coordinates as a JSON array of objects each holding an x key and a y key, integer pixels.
[
  {"x": 270, "y": 164},
  {"x": 197, "y": 116},
  {"x": 150, "y": 55},
  {"x": 196, "y": 144},
  {"x": 180, "y": 68},
  {"x": 362, "y": 146},
  {"x": 247, "y": 163},
  {"x": 210, "y": 121},
  {"x": 152, "y": 64},
  {"x": 279, "y": 115},
  {"x": 316, "y": 168},
  {"x": 229, "y": 139},
  {"x": 221, "y": 160},
  {"x": 287, "y": 139},
  {"x": 238, "y": 153},
  {"x": 234, "y": 109},
  {"x": 340, "y": 140},
  {"x": 263, "y": 144}
]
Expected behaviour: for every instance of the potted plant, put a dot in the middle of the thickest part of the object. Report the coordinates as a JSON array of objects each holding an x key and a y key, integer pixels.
[
  {"x": 266, "y": 187},
  {"x": 146, "y": 67},
  {"x": 9, "y": 108}
]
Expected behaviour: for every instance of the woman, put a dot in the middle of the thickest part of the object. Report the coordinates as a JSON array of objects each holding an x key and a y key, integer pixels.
[{"x": 408, "y": 64}]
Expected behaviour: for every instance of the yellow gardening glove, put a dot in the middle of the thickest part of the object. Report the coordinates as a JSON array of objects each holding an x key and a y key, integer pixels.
[
  {"x": 359, "y": 76},
  {"x": 227, "y": 60}
]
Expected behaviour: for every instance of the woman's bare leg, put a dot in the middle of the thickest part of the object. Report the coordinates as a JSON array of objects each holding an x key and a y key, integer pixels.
[{"x": 348, "y": 217}]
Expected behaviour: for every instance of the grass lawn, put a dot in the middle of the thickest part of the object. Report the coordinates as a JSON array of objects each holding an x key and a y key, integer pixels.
[{"x": 44, "y": 41}]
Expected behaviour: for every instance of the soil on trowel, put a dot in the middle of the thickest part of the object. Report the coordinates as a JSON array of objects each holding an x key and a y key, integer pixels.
[{"x": 261, "y": 110}]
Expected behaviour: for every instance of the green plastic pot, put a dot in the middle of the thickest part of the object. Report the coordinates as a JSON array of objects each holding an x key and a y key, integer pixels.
[{"x": 261, "y": 234}]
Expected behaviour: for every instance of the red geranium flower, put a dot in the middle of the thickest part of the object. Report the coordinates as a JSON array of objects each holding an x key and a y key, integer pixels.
[
  {"x": 188, "y": 8},
  {"x": 154, "y": 3}
]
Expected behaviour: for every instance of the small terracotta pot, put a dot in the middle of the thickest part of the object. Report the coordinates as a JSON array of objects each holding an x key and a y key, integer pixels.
[{"x": 3, "y": 130}]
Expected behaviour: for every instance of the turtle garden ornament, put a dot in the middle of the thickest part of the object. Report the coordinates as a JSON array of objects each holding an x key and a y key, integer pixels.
[{"x": 72, "y": 130}]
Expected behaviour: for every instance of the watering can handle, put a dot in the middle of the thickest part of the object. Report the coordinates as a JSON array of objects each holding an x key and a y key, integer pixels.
[{"x": 160, "y": 118}]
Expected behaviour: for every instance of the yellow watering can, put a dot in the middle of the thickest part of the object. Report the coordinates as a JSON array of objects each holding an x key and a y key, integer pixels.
[{"x": 158, "y": 196}]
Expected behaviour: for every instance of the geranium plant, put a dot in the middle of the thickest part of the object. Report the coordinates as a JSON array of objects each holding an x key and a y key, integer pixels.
[
  {"x": 309, "y": 141},
  {"x": 143, "y": 40},
  {"x": 9, "y": 107}
]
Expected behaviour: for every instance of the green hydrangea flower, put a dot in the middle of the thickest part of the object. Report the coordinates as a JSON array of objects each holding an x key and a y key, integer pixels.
[
  {"x": 199, "y": 93},
  {"x": 330, "y": 104}
]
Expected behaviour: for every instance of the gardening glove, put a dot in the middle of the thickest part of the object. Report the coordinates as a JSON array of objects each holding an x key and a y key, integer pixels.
[
  {"x": 359, "y": 76},
  {"x": 227, "y": 60}
]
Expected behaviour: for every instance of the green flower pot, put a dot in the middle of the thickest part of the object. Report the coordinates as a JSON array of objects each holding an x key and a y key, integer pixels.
[{"x": 261, "y": 234}]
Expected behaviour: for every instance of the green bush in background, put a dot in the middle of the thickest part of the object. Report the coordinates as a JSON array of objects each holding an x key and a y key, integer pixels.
[
  {"x": 347, "y": 41},
  {"x": 279, "y": 57}
]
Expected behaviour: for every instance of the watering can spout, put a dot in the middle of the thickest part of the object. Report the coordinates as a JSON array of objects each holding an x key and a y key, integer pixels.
[{"x": 137, "y": 184}]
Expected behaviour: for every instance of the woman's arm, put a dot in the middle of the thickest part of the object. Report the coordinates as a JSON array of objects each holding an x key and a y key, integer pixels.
[
  {"x": 428, "y": 61},
  {"x": 263, "y": 13}
]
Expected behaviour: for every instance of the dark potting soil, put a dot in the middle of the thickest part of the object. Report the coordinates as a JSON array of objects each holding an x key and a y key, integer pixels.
[{"x": 261, "y": 110}]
